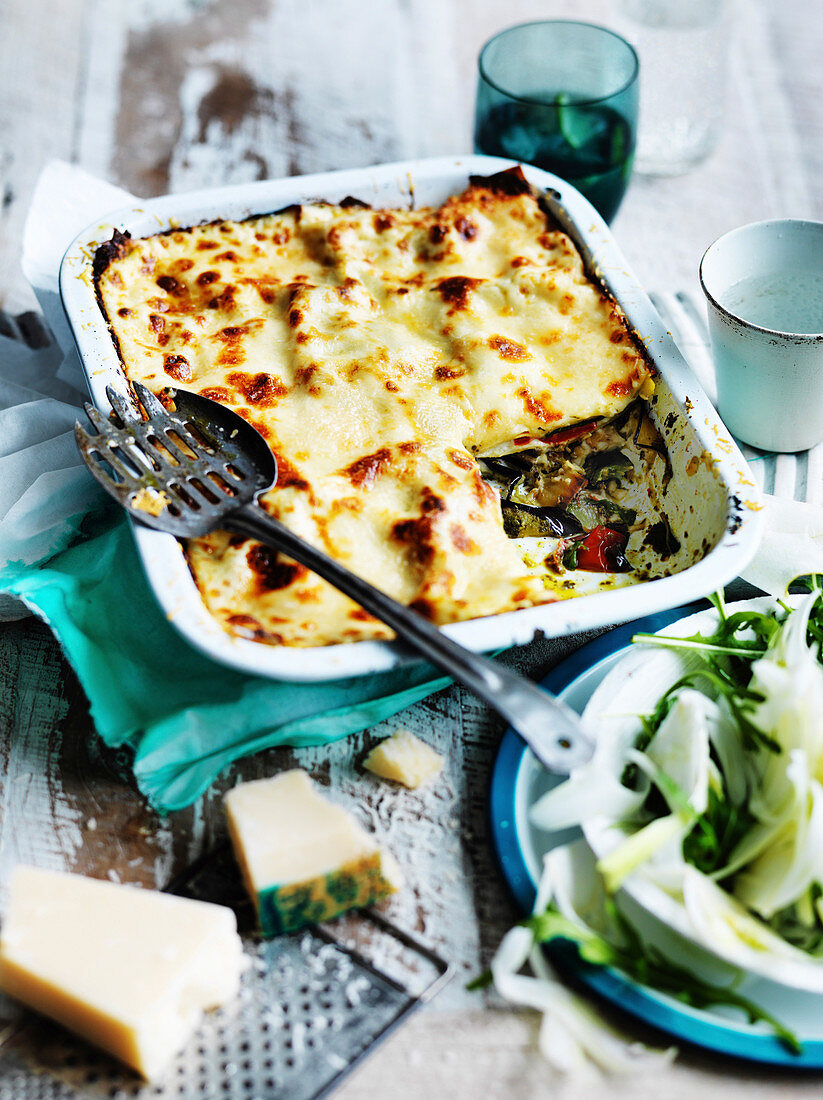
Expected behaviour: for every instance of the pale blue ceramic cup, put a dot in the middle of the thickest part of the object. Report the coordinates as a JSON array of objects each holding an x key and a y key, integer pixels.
[{"x": 764, "y": 288}]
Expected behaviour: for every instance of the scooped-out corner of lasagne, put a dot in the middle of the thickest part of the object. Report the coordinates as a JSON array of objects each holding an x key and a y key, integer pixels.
[{"x": 455, "y": 405}]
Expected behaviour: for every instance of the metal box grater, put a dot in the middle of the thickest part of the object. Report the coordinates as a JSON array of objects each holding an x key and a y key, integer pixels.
[{"x": 310, "y": 1007}]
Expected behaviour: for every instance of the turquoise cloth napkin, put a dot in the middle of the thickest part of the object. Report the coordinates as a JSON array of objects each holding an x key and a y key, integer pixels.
[{"x": 186, "y": 717}]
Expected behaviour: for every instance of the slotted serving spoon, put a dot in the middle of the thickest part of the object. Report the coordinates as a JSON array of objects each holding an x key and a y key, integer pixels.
[{"x": 202, "y": 467}]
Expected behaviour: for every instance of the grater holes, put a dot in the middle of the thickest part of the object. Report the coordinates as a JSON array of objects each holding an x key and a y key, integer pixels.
[{"x": 262, "y": 1047}]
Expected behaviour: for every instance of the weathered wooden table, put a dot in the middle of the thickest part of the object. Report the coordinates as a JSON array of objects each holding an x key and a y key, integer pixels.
[{"x": 189, "y": 93}]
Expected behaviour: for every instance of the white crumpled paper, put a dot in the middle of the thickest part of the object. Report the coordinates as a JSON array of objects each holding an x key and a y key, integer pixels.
[
  {"x": 43, "y": 483},
  {"x": 792, "y": 545}
]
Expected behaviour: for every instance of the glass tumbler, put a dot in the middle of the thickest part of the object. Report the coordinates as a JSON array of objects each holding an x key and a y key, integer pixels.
[
  {"x": 562, "y": 96},
  {"x": 683, "y": 47}
]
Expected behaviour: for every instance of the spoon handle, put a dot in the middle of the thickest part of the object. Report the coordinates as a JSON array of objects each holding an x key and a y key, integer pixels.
[{"x": 551, "y": 729}]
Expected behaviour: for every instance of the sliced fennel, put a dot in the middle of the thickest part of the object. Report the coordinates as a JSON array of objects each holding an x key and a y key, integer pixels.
[
  {"x": 572, "y": 1034},
  {"x": 715, "y": 797}
]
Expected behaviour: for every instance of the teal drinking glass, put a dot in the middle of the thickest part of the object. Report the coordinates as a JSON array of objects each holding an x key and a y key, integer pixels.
[{"x": 562, "y": 96}]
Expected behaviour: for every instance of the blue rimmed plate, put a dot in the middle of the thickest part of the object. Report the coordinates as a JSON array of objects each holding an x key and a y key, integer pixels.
[{"x": 518, "y": 781}]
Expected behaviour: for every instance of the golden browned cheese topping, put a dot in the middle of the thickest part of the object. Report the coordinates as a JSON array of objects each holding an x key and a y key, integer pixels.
[{"x": 379, "y": 352}]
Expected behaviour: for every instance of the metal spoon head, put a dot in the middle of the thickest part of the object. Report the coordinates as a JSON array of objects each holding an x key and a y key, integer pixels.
[
  {"x": 238, "y": 440},
  {"x": 182, "y": 470}
]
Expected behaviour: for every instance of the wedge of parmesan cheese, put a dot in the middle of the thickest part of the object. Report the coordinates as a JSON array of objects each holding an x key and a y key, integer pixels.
[
  {"x": 130, "y": 970},
  {"x": 405, "y": 759},
  {"x": 303, "y": 858}
]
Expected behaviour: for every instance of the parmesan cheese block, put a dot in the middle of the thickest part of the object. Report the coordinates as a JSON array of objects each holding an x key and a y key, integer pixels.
[
  {"x": 405, "y": 759},
  {"x": 379, "y": 352},
  {"x": 303, "y": 858},
  {"x": 130, "y": 970}
]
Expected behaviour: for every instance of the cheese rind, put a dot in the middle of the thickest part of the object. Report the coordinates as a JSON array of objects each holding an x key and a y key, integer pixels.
[
  {"x": 405, "y": 759},
  {"x": 130, "y": 970},
  {"x": 353, "y": 886},
  {"x": 303, "y": 859}
]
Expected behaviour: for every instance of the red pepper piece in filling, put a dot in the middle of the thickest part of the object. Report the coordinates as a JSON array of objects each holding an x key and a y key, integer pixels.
[
  {"x": 574, "y": 431},
  {"x": 562, "y": 435},
  {"x": 603, "y": 551}
]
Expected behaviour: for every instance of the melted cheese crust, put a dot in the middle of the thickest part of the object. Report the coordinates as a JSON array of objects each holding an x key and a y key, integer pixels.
[{"x": 378, "y": 351}]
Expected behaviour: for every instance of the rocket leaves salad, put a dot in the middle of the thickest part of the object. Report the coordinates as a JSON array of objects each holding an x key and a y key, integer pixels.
[{"x": 715, "y": 796}]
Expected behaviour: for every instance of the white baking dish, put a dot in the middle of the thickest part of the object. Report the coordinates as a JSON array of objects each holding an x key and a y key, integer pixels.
[{"x": 715, "y": 498}]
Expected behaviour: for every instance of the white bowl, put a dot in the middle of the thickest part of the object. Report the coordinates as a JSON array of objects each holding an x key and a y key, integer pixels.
[
  {"x": 795, "y": 1006},
  {"x": 632, "y": 687}
]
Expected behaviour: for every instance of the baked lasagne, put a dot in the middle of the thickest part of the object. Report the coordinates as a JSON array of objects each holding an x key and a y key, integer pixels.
[{"x": 454, "y": 404}]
